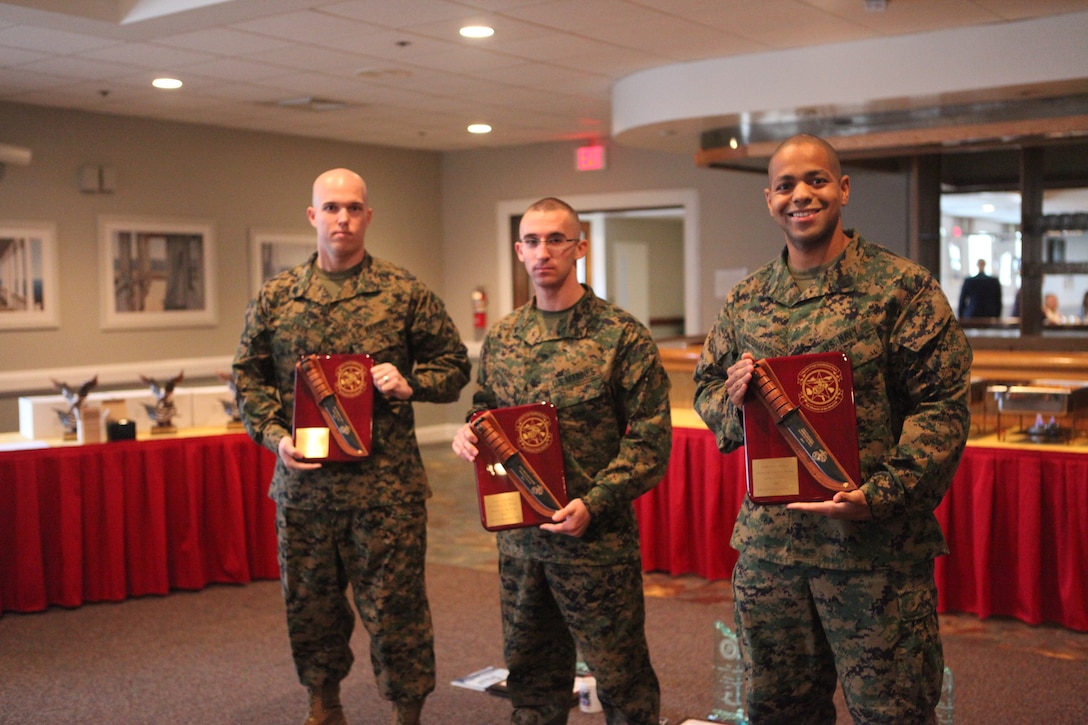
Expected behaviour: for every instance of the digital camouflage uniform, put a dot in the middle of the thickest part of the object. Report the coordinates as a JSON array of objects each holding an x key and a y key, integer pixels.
[
  {"x": 362, "y": 523},
  {"x": 603, "y": 372},
  {"x": 871, "y": 583}
]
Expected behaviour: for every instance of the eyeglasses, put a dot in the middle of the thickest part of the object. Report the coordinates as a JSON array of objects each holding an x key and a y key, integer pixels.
[{"x": 554, "y": 242}]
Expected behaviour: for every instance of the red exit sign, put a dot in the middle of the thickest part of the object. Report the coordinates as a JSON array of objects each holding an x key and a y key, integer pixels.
[{"x": 590, "y": 158}]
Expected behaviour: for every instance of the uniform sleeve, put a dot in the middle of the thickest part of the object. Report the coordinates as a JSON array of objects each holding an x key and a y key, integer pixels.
[
  {"x": 711, "y": 396},
  {"x": 483, "y": 398},
  {"x": 441, "y": 367},
  {"x": 258, "y": 396},
  {"x": 641, "y": 387},
  {"x": 930, "y": 379}
]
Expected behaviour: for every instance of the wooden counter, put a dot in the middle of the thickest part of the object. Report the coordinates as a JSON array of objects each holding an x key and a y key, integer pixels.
[{"x": 996, "y": 365}]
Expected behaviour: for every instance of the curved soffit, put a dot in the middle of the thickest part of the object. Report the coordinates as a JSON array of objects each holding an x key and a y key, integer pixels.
[{"x": 989, "y": 77}]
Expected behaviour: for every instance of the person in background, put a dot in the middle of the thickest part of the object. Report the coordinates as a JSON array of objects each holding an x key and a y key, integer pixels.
[
  {"x": 1052, "y": 314},
  {"x": 842, "y": 589},
  {"x": 575, "y": 585},
  {"x": 1084, "y": 310},
  {"x": 360, "y": 523},
  {"x": 980, "y": 295}
]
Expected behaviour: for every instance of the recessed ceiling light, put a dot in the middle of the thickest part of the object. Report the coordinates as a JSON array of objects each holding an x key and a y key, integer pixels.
[
  {"x": 477, "y": 31},
  {"x": 379, "y": 72},
  {"x": 479, "y": 128},
  {"x": 168, "y": 84}
]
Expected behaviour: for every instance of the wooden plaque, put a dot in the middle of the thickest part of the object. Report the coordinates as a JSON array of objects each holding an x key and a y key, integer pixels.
[
  {"x": 821, "y": 385},
  {"x": 534, "y": 432},
  {"x": 348, "y": 377}
]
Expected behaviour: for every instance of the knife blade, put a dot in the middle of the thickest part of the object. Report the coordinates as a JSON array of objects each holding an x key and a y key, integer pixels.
[
  {"x": 525, "y": 479},
  {"x": 798, "y": 432},
  {"x": 331, "y": 410}
]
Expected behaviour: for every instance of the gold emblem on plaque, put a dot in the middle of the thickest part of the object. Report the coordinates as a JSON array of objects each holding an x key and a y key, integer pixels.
[
  {"x": 533, "y": 432},
  {"x": 819, "y": 386},
  {"x": 350, "y": 379}
]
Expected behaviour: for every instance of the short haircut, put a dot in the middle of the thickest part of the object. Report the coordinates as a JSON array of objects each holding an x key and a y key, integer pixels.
[
  {"x": 550, "y": 203},
  {"x": 809, "y": 139}
]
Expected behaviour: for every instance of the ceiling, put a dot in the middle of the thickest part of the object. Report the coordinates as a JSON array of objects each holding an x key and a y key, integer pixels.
[{"x": 403, "y": 74}]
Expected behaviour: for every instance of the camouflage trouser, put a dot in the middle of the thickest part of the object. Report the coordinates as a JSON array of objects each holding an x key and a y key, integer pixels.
[
  {"x": 380, "y": 552},
  {"x": 801, "y": 627},
  {"x": 546, "y": 608}
]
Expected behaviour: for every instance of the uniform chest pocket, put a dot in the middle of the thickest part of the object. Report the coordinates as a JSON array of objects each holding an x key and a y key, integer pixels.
[
  {"x": 380, "y": 342},
  {"x": 585, "y": 402},
  {"x": 865, "y": 348}
]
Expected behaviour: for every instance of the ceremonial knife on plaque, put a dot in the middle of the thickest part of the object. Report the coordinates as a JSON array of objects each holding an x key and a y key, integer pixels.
[
  {"x": 331, "y": 410},
  {"x": 798, "y": 432},
  {"x": 525, "y": 479}
]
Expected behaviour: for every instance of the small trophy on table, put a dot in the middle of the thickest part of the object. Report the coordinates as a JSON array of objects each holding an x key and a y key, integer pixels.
[
  {"x": 163, "y": 411},
  {"x": 70, "y": 416}
]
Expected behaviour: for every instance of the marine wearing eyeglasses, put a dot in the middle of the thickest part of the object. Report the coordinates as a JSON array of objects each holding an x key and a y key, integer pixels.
[{"x": 576, "y": 584}]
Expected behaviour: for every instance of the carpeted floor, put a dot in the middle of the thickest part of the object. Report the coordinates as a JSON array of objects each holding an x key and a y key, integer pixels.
[{"x": 220, "y": 655}]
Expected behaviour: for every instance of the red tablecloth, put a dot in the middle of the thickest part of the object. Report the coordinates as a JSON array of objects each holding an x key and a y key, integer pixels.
[
  {"x": 1016, "y": 520},
  {"x": 1017, "y": 525},
  {"x": 109, "y": 521},
  {"x": 686, "y": 520}
]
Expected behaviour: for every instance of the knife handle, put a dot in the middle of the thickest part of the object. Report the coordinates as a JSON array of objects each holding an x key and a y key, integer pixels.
[
  {"x": 315, "y": 378},
  {"x": 492, "y": 436},
  {"x": 770, "y": 392}
]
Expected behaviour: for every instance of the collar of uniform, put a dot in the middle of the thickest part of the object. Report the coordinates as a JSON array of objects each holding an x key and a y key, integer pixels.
[
  {"x": 310, "y": 287},
  {"x": 581, "y": 314},
  {"x": 837, "y": 278}
]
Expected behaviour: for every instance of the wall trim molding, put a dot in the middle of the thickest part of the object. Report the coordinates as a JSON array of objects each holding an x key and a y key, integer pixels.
[{"x": 112, "y": 374}]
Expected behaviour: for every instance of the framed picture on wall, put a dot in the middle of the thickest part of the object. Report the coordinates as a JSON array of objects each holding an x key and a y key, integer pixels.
[
  {"x": 29, "y": 296},
  {"x": 156, "y": 272},
  {"x": 272, "y": 251}
]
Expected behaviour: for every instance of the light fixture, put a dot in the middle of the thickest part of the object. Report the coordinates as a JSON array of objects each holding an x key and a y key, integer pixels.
[
  {"x": 377, "y": 72},
  {"x": 477, "y": 31},
  {"x": 166, "y": 84},
  {"x": 590, "y": 157},
  {"x": 312, "y": 103},
  {"x": 479, "y": 128}
]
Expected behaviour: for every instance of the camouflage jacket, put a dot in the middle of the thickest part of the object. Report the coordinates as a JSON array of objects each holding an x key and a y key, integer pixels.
[
  {"x": 911, "y": 367},
  {"x": 384, "y": 312},
  {"x": 603, "y": 372}
]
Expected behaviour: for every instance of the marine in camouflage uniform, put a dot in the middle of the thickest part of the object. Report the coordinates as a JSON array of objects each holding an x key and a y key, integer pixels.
[
  {"x": 566, "y": 593},
  {"x": 818, "y": 597},
  {"x": 360, "y": 523}
]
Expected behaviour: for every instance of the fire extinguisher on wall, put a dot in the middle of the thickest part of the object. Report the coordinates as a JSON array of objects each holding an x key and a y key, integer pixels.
[{"x": 479, "y": 308}]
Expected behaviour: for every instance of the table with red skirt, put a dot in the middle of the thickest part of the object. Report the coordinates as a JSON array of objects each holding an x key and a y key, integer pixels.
[
  {"x": 1016, "y": 520},
  {"x": 103, "y": 522}
]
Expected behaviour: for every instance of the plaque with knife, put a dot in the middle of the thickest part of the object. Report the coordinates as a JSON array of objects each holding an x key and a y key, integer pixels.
[
  {"x": 519, "y": 470},
  {"x": 334, "y": 402},
  {"x": 800, "y": 429}
]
